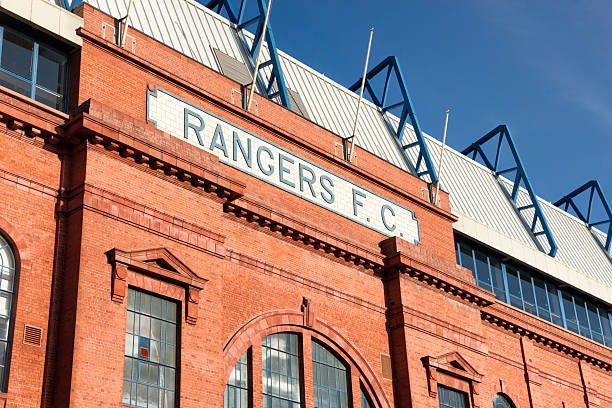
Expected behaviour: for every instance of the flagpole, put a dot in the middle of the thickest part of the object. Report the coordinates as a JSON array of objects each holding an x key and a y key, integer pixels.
[
  {"x": 363, "y": 78},
  {"x": 441, "y": 157},
  {"x": 255, "y": 72},
  {"x": 125, "y": 24}
]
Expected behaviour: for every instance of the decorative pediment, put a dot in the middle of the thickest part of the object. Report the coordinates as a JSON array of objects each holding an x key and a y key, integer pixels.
[
  {"x": 451, "y": 367},
  {"x": 453, "y": 363},
  {"x": 160, "y": 264}
]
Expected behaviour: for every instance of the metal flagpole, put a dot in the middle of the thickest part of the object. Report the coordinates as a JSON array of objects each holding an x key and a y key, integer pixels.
[
  {"x": 363, "y": 78},
  {"x": 441, "y": 157},
  {"x": 255, "y": 72},
  {"x": 125, "y": 24}
]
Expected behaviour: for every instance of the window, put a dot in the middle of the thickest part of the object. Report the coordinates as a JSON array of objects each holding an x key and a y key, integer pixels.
[
  {"x": 32, "y": 68},
  {"x": 450, "y": 398},
  {"x": 237, "y": 390},
  {"x": 329, "y": 378},
  {"x": 365, "y": 401},
  {"x": 536, "y": 294},
  {"x": 281, "y": 371},
  {"x": 150, "y": 351},
  {"x": 499, "y": 401},
  {"x": 7, "y": 283}
]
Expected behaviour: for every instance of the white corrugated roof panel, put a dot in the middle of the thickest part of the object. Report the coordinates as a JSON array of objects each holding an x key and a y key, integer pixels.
[{"x": 476, "y": 196}]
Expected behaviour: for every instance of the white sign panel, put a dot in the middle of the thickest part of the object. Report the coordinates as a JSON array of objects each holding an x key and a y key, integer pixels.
[{"x": 265, "y": 160}]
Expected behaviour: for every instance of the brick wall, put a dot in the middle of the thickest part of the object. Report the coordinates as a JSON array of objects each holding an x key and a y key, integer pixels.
[{"x": 77, "y": 187}]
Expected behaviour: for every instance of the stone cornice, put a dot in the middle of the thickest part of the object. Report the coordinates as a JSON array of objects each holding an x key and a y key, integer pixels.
[
  {"x": 202, "y": 174},
  {"x": 544, "y": 333},
  {"x": 31, "y": 118},
  {"x": 305, "y": 233},
  {"x": 414, "y": 261}
]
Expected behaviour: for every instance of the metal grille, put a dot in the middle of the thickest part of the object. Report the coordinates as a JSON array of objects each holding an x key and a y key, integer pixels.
[
  {"x": 385, "y": 362},
  {"x": 32, "y": 335}
]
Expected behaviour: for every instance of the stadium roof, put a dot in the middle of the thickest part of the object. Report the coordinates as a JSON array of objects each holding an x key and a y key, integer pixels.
[{"x": 476, "y": 196}]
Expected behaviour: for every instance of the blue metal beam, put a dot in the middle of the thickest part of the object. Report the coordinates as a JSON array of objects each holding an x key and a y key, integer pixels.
[
  {"x": 501, "y": 134},
  {"x": 390, "y": 67},
  {"x": 243, "y": 22},
  {"x": 590, "y": 188}
]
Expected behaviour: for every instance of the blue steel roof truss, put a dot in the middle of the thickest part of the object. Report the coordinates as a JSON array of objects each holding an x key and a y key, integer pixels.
[
  {"x": 242, "y": 23},
  {"x": 391, "y": 69},
  {"x": 502, "y": 134},
  {"x": 590, "y": 188}
]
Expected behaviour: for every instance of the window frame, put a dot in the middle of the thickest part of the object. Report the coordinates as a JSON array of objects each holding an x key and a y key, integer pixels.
[
  {"x": 11, "y": 315},
  {"x": 177, "y": 347},
  {"x": 467, "y": 400},
  {"x": 345, "y": 366},
  {"x": 356, "y": 381},
  {"x": 526, "y": 281},
  {"x": 32, "y": 82}
]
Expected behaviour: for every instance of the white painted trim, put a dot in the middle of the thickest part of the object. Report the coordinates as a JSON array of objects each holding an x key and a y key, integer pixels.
[
  {"x": 46, "y": 16},
  {"x": 531, "y": 257}
]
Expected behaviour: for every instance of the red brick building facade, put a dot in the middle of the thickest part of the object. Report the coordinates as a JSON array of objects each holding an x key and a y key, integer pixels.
[{"x": 97, "y": 202}]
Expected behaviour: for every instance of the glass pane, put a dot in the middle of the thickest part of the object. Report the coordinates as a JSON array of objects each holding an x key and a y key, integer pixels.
[
  {"x": 499, "y": 286},
  {"x": 8, "y": 275},
  {"x": 126, "y": 392},
  {"x": 152, "y": 382},
  {"x": 51, "y": 72},
  {"x": 15, "y": 84},
  {"x": 49, "y": 99},
  {"x": 365, "y": 402},
  {"x": 607, "y": 328},
  {"x": 528, "y": 297},
  {"x": 541, "y": 296},
  {"x": 449, "y": 398},
  {"x": 570, "y": 313},
  {"x": 594, "y": 319},
  {"x": 582, "y": 317},
  {"x": 467, "y": 260},
  {"x": 482, "y": 271},
  {"x": 555, "y": 306},
  {"x": 514, "y": 287},
  {"x": 457, "y": 253},
  {"x": 278, "y": 383},
  {"x": 596, "y": 329},
  {"x": 171, "y": 312},
  {"x": 329, "y": 378},
  {"x": 17, "y": 52}
]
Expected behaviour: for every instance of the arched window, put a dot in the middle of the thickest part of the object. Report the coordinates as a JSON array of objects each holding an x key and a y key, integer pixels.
[
  {"x": 280, "y": 355},
  {"x": 282, "y": 373},
  {"x": 501, "y": 401},
  {"x": 7, "y": 283},
  {"x": 329, "y": 379},
  {"x": 237, "y": 390},
  {"x": 365, "y": 400}
]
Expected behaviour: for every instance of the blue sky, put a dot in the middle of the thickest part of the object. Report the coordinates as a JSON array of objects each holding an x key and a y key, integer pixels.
[{"x": 543, "y": 68}]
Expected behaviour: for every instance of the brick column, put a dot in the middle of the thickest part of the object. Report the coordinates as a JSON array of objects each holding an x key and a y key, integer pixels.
[
  {"x": 397, "y": 339},
  {"x": 255, "y": 375},
  {"x": 354, "y": 387},
  {"x": 307, "y": 389}
]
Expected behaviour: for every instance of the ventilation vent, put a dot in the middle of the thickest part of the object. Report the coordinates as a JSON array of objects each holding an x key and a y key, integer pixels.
[
  {"x": 32, "y": 335},
  {"x": 232, "y": 68},
  {"x": 385, "y": 362},
  {"x": 297, "y": 105}
]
